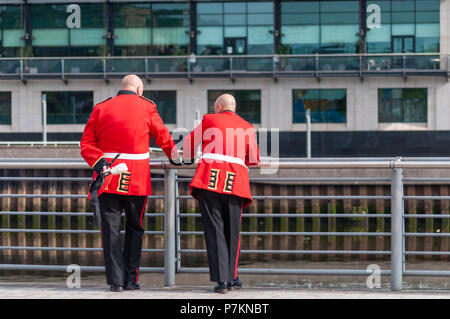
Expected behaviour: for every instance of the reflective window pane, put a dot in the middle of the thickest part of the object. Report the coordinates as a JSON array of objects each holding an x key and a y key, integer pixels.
[
  {"x": 69, "y": 107},
  {"x": 402, "y": 105},
  {"x": 326, "y": 106},
  {"x": 235, "y": 7},
  {"x": 242, "y": 27},
  {"x": 166, "y": 104},
  {"x": 170, "y": 15},
  {"x": 260, "y": 19},
  {"x": 319, "y": 27},
  {"x": 426, "y": 5},
  {"x": 418, "y": 19},
  {"x": 208, "y": 8},
  {"x": 300, "y": 7},
  {"x": 5, "y": 108},
  {"x": 339, "y": 6},
  {"x": 403, "y": 5},
  {"x": 209, "y": 19},
  {"x": 137, "y": 15},
  {"x": 11, "y": 17},
  {"x": 248, "y": 103},
  {"x": 260, "y": 7},
  {"x": 235, "y": 19},
  {"x": 12, "y": 31}
]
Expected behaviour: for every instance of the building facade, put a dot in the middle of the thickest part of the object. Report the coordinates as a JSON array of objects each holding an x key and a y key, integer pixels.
[{"x": 374, "y": 74}]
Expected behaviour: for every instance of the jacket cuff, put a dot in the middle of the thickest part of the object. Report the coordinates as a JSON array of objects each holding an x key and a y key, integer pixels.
[{"x": 98, "y": 166}]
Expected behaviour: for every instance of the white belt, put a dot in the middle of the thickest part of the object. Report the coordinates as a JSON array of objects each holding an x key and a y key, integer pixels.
[
  {"x": 225, "y": 158},
  {"x": 126, "y": 156}
]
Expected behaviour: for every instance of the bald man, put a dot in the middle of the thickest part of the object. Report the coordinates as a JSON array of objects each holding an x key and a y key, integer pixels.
[
  {"x": 122, "y": 126},
  {"x": 221, "y": 185}
]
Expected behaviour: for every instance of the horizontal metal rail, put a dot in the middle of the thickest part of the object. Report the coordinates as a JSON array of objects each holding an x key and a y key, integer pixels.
[
  {"x": 258, "y": 197},
  {"x": 426, "y": 234},
  {"x": 228, "y": 66},
  {"x": 275, "y": 233},
  {"x": 277, "y": 215},
  {"x": 56, "y": 179},
  {"x": 77, "y": 163},
  {"x": 145, "y": 250},
  {"x": 66, "y": 231},
  {"x": 60, "y": 196},
  {"x": 64, "y": 268},
  {"x": 305, "y": 272},
  {"x": 149, "y": 214},
  {"x": 302, "y": 252}
]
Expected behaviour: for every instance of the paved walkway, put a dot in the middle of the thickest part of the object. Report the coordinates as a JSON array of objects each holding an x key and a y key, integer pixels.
[{"x": 60, "y": 291}]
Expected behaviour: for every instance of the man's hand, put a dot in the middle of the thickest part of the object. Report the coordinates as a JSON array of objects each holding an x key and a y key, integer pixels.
[{"x": 105, "y": 170}]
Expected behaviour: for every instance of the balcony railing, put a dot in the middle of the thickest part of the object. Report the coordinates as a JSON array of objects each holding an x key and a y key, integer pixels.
[{"x": 233, "y": 66}]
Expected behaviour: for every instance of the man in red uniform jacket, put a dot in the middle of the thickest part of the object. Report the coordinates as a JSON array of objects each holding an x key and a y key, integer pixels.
[
  {"x": 221, "y": 185},
  {"x": 124, "y": 124}
]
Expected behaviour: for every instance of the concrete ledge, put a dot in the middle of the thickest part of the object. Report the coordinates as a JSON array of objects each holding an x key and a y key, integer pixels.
[{"x": 52, "y": 291}]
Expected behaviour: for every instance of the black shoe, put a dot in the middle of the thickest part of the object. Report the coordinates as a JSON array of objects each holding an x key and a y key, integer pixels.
[
  {"x": 115, "y": 288},
  {"x": 132, "y": 286},
  {"x": 222, "y": 287},
  {"x": 235, "y": 284}
]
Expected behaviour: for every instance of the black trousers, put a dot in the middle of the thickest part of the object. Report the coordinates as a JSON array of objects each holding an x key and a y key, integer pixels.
[
  {"x": 122, "y": 265},
  {"x": 221, "y": 216}
]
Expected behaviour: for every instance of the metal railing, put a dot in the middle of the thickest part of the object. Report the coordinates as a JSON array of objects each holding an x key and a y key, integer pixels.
[
  {"x": 172, "y": 230},
  {"x": 227, "y": 66}
]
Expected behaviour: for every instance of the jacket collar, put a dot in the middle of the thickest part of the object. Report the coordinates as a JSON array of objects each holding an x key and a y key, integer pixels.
[{"x": 121, "y": 92}]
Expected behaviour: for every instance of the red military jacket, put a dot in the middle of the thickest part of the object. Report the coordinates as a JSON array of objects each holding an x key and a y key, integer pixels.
[
  {"x": 124, "y": 124},
  {"x": 228, "y": 146}
]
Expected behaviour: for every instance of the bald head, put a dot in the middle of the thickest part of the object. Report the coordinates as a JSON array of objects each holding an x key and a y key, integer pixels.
[
  {"x": 133, "y": 83},
  {"x": 225, "y": 102}
]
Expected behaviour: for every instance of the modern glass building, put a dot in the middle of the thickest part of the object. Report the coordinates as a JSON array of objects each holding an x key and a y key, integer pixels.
[
  {"x": 140, "y": 28},
  {"x": 374, "y": 74}
]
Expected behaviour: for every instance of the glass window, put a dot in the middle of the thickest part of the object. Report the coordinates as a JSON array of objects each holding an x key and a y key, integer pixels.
[
  {"x": 151, "y": 29},
  {"x": 319, "y": 27},
  {"x": 69, "y": 107},
  {"x": 326, "y": 106},
  {"x": 166, "y": 103},
  {"x": 170, "y": 29},
  {"x": 402, "y": 5},
  {"x": 402, "y": 18},
  {"x": 11, "y": 31},
  {"x": 248, "y": 103},
  {"x": 5, "y": 108},
  {"x": 132, "y": 29},
  {"x": 224, "y": 23},
  {"x": 235, "y": 7},
  {"x": 53, "y": 37},
  {"x": 402, "y": 105}
]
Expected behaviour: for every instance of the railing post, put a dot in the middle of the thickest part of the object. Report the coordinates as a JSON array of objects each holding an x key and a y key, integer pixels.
[
  {"x": 44, "y": 119},
  {"x": 231, "y": 67},
  {"x": 21, "y": 70},
  {"x": 397, "y": 229},
  {"x": 104, "y": 69},
  {"x": 62, "y": 69},
  {"x": 169, "y": 228},
  {"x": 308, "y": 133}
]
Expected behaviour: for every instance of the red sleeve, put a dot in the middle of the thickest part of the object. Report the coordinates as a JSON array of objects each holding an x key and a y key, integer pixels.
[
  {"x": 88, "y": 144},
  {"x": 191, "y": 143},
  {"x": 252, "y": 156},
  {"x": 162, "y": 136}
]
